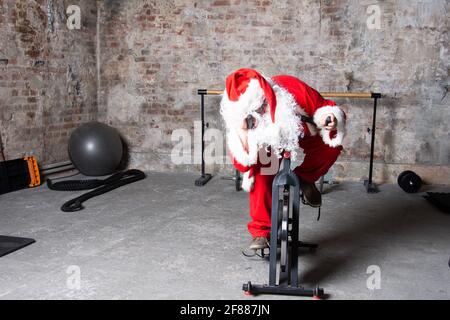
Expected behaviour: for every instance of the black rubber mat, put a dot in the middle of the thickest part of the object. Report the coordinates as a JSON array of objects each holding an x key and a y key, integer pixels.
[
  {"x": 440, "y": 200},
  {"x": 11, "y": 244}
]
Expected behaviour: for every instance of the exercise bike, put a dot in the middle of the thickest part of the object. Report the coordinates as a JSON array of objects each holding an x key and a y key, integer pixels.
[{"x": 284, "y": 237}]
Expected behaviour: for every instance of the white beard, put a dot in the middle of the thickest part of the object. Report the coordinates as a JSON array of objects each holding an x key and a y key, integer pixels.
[{"x": 283, "y": 134}]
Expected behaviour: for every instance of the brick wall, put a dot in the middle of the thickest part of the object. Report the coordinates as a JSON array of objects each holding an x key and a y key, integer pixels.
[
  {"x": 48, "y": 81},
  {"x": 155, "y": 54}
]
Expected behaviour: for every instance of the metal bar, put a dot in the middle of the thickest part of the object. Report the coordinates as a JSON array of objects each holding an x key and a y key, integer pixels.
[
  {"x": 295, "y": 291},
  {"x": 361, "y": 95},
  {"x": 274, "y": 232},
  {"x": 357, "y": 95},
  {"x": 209, "y": 92},
  {"x": 371, "y": 188},
  {"x": 56, "y": 165},
  {"x": 295, "y": 231},
  {"x": 203, "y": 132},
  {"x": 58, "y": 169},
  {"x": 372, "y": 143},
  {"x": 204, "y": 178},
  {"x": 215, "y": 92},
  {"x": 321, "y": 181}
]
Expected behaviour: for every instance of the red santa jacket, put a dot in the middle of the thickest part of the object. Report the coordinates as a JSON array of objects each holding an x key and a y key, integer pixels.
[{"x": 308, "y": 102}]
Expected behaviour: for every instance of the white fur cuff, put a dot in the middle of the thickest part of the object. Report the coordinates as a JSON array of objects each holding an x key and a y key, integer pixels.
[
  {"x": 325, "y": 134},
  {"x": 237, "y": 149},
  {"x": 247, "y": 182}
]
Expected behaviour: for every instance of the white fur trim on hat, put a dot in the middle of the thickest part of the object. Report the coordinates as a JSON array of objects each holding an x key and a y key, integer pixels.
[
  {"x": 325, "y": 134},
  {"x": 283, "y": 134},
  {"x": 233, "y": 112}
]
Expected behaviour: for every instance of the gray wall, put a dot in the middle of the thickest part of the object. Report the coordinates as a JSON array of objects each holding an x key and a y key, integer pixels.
[
  {"x": 154, "y": 55},
  {"x": 48, "y": 76}
]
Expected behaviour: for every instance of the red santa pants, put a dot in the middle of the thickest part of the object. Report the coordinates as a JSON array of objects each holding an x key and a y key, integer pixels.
[{"x": 318, "y": 159}]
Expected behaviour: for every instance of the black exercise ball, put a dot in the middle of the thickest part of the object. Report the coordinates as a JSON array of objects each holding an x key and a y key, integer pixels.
[
  {"x": 409, "y": 181},
  {"x": 95, "y": 149}
]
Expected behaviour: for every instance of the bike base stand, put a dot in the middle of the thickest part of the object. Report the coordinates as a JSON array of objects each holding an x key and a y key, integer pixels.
[
  {"x": 203, "y": 180},
  {"x": 284, "y": 238},
  {"x": 370, "y": 187},
  {"x": 250, "y": 288}
]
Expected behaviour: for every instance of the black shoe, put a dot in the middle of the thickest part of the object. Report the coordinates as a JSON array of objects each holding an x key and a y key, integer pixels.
[{"x": 311, "y": 196}]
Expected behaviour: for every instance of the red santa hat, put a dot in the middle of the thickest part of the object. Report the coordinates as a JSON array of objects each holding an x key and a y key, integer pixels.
[{"x": 241, "y": 82}]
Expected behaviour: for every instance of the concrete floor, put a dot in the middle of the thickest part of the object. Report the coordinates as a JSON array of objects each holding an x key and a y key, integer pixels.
[{"x": 164, "y": 238}]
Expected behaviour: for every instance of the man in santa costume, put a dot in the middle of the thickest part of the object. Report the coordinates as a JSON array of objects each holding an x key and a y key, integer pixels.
[{"x": 275, "y": 106}]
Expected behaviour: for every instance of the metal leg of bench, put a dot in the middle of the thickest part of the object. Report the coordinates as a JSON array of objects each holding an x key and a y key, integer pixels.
[{"x": 321, "y": 183}]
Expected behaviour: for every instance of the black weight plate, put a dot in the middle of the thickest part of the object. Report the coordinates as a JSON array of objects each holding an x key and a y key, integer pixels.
[
  {"x": 410, "y": 182},
  {"x": 401, "y": 175}
]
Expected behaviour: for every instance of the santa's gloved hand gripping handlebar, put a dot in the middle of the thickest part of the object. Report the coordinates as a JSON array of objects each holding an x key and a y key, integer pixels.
[{"x": 311, "y": 120}]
